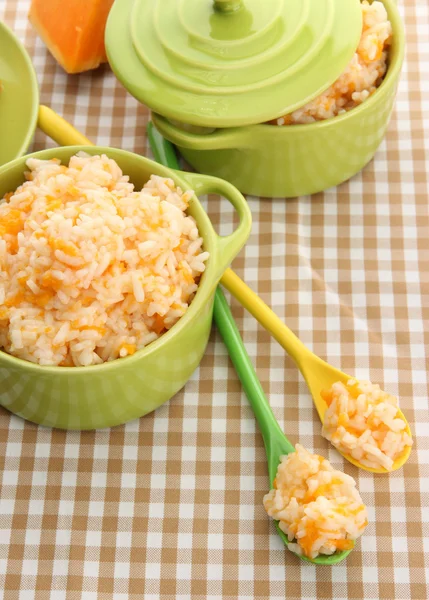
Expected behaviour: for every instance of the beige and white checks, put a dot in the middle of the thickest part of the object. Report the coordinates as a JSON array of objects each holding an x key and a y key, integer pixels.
[{"x": 169, "y": 507}]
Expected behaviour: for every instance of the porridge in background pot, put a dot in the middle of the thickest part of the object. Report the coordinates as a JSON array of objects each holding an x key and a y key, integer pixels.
[
  {"x": 90, "y": 269},
  {"x": 363, "y": 75},
  {"x": 318, "y": 508}
]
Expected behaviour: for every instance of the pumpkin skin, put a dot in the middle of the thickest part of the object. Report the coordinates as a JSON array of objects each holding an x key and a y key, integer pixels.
[{"x": 73, "y": 31}]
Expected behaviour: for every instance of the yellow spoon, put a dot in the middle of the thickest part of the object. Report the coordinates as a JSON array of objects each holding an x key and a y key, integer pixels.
[
  {"x": 59, "y": 129},
  {"x": 318, "y": 374}
]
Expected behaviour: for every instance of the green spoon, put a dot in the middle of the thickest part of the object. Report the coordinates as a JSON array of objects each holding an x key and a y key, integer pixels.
[{"x": 275, "y": 441}]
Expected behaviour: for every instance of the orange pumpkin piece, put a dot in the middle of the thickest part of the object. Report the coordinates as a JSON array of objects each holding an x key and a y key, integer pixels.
[{"x": 73, "y": 31}]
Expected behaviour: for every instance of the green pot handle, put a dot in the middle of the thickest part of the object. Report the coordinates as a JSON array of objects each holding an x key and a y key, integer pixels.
[
  {"x": 229, "y": 245},
  {"x": 220, "y": 139}
]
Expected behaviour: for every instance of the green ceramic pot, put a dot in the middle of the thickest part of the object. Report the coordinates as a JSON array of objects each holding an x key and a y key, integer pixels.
[
  {"x": 119, "y": 391},
  {"x": 19, "y": 99},
  {"x": 266, "y": 160}
]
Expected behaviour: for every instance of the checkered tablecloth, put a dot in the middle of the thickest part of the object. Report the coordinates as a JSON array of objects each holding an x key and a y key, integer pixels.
[{"x": 169, "y": 506}]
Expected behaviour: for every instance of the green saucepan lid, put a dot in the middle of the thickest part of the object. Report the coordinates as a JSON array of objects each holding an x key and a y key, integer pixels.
[
  {"x": 222, "y": 63},
  {"x": 19, "y": 97}
]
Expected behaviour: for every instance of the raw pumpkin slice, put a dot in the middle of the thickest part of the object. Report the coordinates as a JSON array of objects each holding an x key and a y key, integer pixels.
[{"x": 73, "y": 31}]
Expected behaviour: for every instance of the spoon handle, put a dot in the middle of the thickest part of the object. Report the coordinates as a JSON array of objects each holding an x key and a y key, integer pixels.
[
  {"x": 162, "y": 150},
  {"x": 59, "y": 129},
  {"x": 266, "y": 317},
  {"x": 268, "y": 425}
]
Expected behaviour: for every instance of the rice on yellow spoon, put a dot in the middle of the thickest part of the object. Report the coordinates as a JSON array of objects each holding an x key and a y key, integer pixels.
[{"x": 318, "y": 374}]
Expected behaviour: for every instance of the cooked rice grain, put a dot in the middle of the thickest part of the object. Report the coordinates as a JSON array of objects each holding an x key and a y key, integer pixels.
[
  {"x": 363, "y": 421},
  {"x": 318, "y": 508},
  {"x": 90, "y": 269}
]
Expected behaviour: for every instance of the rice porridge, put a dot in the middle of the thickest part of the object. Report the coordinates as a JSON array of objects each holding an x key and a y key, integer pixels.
[
  {"x": 317, "y": 507},
  {"x": 90, "y": 269},
  {"x": 363, "y": 421}
]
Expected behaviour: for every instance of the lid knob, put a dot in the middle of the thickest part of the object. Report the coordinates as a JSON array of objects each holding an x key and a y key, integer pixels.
[{"x": 227, "y": 5}]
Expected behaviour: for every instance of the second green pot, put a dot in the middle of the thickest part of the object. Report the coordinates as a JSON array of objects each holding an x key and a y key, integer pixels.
[{"x": 272, "y": 161}]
